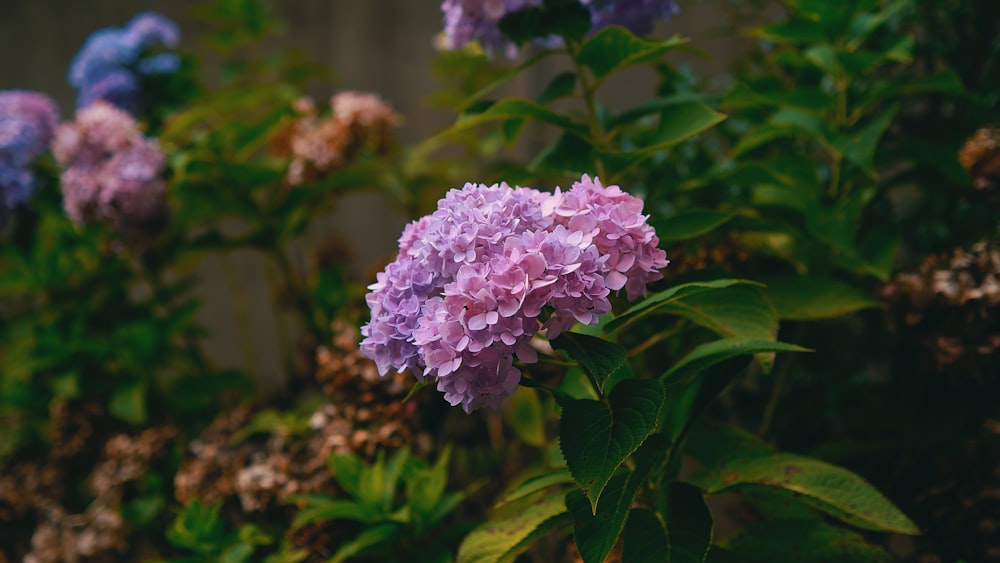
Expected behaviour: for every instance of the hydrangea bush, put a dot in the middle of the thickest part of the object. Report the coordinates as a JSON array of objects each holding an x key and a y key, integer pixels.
[{"x": 595, "y": 399}]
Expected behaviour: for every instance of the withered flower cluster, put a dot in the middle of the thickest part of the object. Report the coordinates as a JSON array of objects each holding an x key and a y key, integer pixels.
[
  {"x": 363, "y": 415},
  {"x": 316, "y": 144},
  {"x": 39, "y": 520}
]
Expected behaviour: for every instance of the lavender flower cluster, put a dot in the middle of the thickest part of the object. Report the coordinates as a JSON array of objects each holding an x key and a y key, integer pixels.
[
  {"x": 112, "y": 61},
  {"x": 27, "y": 123},
  {"x": 477, "y": 279},
  {"x": 110, "y": 171},
  {"x": 466, "y": 21}
]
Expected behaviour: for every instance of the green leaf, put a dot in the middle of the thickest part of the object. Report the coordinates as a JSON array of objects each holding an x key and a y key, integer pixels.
[
  {"x": 596, "y": 530},
  {"x": 794, "y": 31},
  {"x": 514, "y": 108},
  {"x": 129, "y": 403},
  {"x": 614, "y": 48},
  {"x": 563, "y": 18},
  {"x": 570, "y": 153},
  {"x": 689, "y": 524},
  {"x": 320, "y": 509},
  {"x": 425, "y": 487},
  {"x": 717, "y": 351},
  {"x": 879, "y": 248},
  {"x": 645, "y": 538},
  {"x": 561, "y": 86},
  {"x": 806, "y": 298},
  {"x": 802, "y": 540},
  {"x": 734, "y": 312},
  {"x": 738, "y": 311},
  {"x": 526, "y": 416},
  {"x": 538, "y": 483},
  {"x": 686, "y": 401},
  {"x": 860, "y": 148},
  {"x": 689, "y": 224},
  {"x": 596, "y": 436},
  {"x": 825, "y": 59},
  {"x": 654, "y": 302},
  {"x": 748, "y": 463},
  {"x": 503, "y": 540},
  {"x": 347, "y": 470},
  {"x": 380, "y": 535},
  {"x": 682, "y": 122},
  {"x": 599, "y": 358}
]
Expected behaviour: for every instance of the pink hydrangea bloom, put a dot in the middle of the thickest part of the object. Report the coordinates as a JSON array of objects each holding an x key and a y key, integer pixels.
[
  {"x": 477, "y": 279},
  {"x": 110, "y": 171}
]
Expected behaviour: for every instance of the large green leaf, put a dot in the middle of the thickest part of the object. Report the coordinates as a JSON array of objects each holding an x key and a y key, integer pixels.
[
  {"x": 736, "y": 460},
  {"x": 739, "y": 311},
  {"x": 657, "y": 300},
  {"x": 735, "y": 312},
  {"x": 561, "y": 86},
  {"x": 802, "y": 540},
  {"x": 645, "y": 538},
  {"x": 689, "y": 524},
  {"x": 804, "y": 298},
  {"x": 596, "y": 436},
  {"x": 503, "y": 540},
  {"x": 596, "y": 530},
  {"x": 681, "y": 122},
  {"x": 614, "y": 48},
  {"x": 515, "y": 108},
  {"x": 689, "y": 224},
  {"x": 538, "y": 483},
  {"x": 599, "y": 358},
  {"x": 717, "y": 351}
]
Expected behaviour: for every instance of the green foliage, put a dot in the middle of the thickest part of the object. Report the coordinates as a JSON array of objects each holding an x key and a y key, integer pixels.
[
  {"x": 786, "y": 199},
  {"x": 389, "y": 524}
]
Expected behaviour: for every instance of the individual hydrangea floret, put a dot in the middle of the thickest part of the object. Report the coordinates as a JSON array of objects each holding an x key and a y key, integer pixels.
[
  {"x": 316, "y": 144},
  {"x": 27, "y": 123},
  {"x": 493, "y": 266},
  {"x": 112, "y": 61},
  {"x": 468, "y": 21},
  {"x": 110, "y": 171}
]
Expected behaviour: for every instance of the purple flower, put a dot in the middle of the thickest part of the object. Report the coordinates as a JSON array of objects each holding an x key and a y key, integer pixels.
[
  {"x": 466, "y": 21},
  {"x": 636, "y": 15},
  {"x": 476, "y": 280},
  {"x": 111, "y": 172},
  {"x": 478, "y": 20},
  {"x": 27, "y": 123},
  {"x": 112, "y": 60}
]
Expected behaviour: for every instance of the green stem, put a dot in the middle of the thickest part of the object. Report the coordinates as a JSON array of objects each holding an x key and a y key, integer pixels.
[
  {"x": 772, "y": 403},
  {"x": 587, "y": 90}
]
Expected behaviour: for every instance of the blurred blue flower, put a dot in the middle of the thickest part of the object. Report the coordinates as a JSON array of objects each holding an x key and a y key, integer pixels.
[
  {"x": 112, "y": 61},
  {"x": 27, "y": 124}
]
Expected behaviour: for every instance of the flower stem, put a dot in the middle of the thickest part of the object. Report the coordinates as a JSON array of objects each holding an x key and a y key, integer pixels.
[{"x": 598, "y": 139}]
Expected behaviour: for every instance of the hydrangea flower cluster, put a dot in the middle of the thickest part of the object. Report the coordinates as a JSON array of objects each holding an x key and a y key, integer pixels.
[
  {"x": 477, "y": 279},
  {"x": 111, "y": 172},
  {"x": 359, "y": 121},
  {"x": 112, "y": 61},
  {"x": 27, "y": 123},
  {"x": 466, "y": 21},
  {"x": 636, "y": 15}
]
